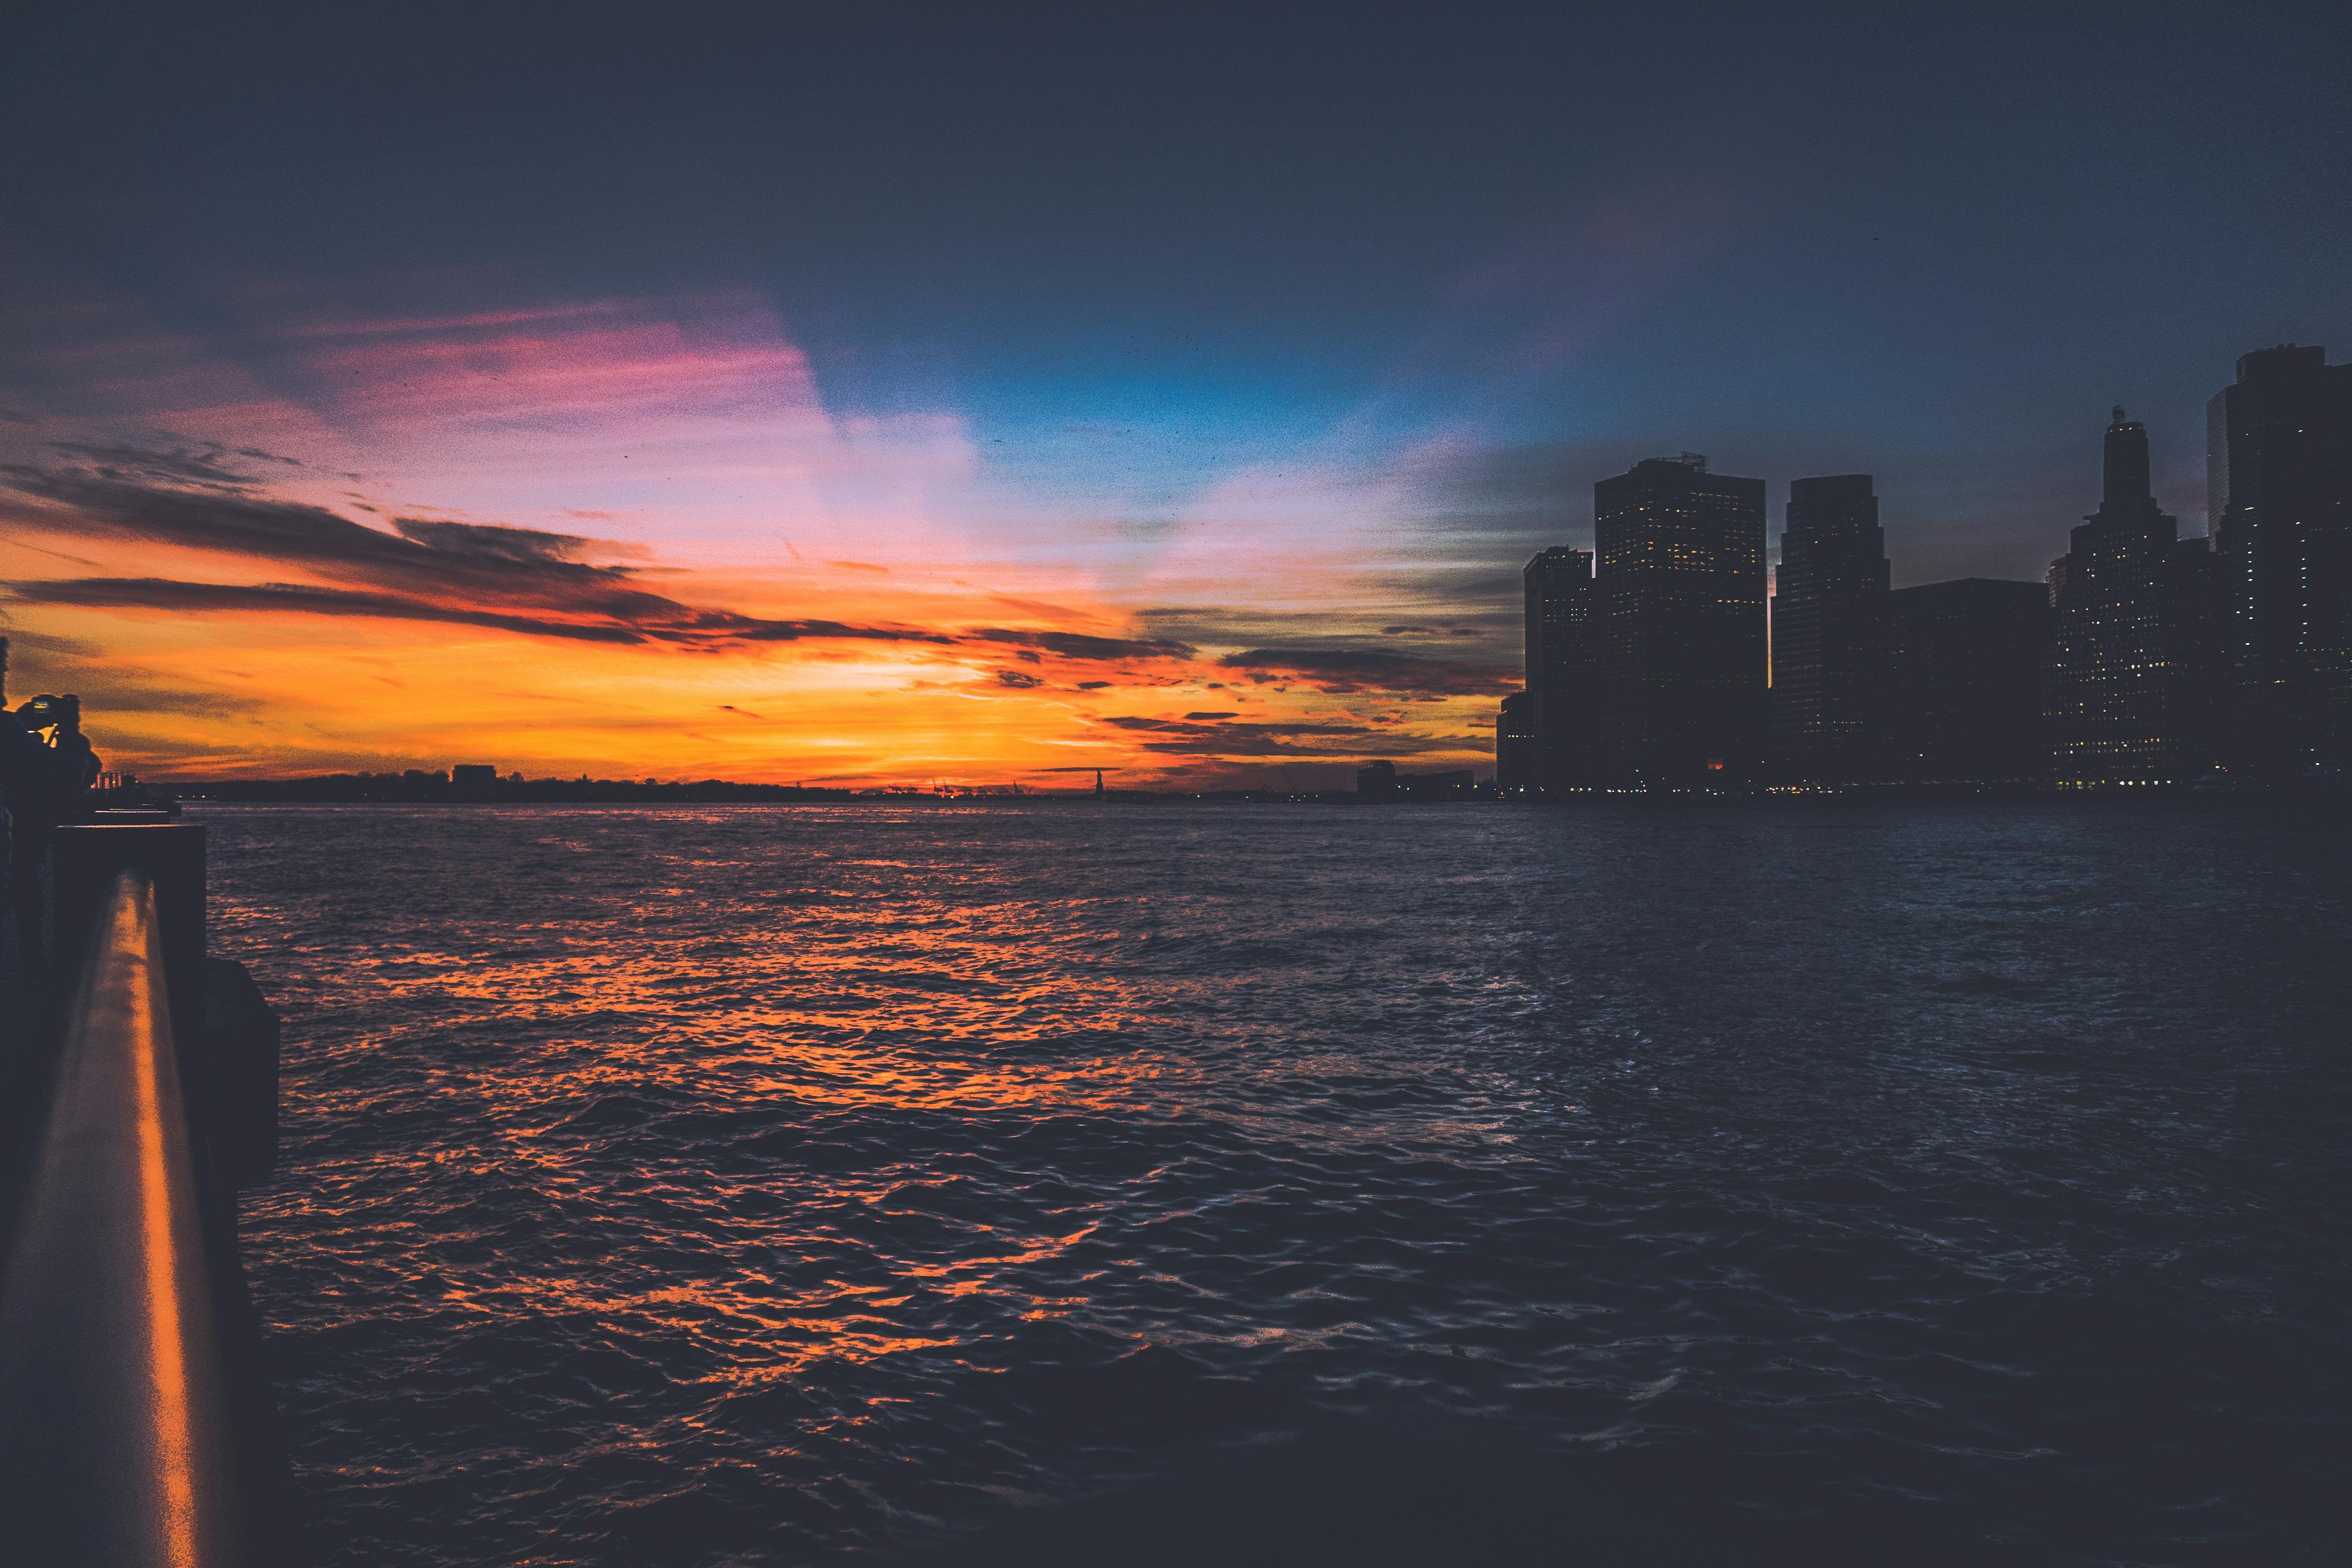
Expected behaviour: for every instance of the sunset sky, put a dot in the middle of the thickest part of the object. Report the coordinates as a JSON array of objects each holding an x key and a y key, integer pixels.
[{"x": 875, "y": 394}]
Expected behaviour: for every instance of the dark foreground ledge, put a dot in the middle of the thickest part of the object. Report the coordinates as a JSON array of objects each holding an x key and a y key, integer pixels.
[{"x": 140, "y": 1425}]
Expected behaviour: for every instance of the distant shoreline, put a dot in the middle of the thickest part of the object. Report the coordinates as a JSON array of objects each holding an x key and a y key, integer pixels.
[{"x": 751, "y": 795}]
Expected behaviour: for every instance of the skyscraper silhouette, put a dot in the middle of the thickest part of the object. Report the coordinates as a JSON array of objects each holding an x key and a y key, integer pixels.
[
  {"x": 1963, "y": 682},
  {"x": 2131, "y": 604},
  {"x": 2279, "y": 489},
  {"x": 1681, "y": 659},
  {"x": 1561, "y": 613},
  {"x": 1828, "y": 619}
]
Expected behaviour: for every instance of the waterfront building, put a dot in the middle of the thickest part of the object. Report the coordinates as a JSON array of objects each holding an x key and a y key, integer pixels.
[
  {"x": 2279, "y": 492},
  {"x": 1380, "y": 781},
  {"x": 1963, "y": 682},
  {"x": 473, "y": 781},
  {"x": 1561, "y": 712},
  {"x": 1681, "y": 657},
  {"x": 1515, "y": 744},
  {"x": 1829, "y": 610},
  {"x": 2131, "y": 614}
]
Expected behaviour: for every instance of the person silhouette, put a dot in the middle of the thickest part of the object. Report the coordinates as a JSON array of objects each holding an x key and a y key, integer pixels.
[
  {"x": 42, "y": 783},
  {"x": 46, "y": 779}
]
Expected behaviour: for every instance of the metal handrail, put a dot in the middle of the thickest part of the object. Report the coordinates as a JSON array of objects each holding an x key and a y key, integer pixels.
[{"x": 119, "y": 1444}]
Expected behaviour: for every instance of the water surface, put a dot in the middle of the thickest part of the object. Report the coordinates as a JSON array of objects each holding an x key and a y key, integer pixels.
[{"x": 781, "y": 1186}]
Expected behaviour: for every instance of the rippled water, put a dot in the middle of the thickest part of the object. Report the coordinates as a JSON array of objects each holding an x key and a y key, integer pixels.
[{"x": 777, "y": 1185}]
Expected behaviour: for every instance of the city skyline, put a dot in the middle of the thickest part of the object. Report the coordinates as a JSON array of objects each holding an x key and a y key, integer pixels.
[
  {"x": 2147, "y": 657},
  {"x": 782, "y": 431},
  {"x": 2127, "y": 478}
]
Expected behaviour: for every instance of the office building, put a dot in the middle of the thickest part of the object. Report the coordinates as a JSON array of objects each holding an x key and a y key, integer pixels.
[
  {"x": 1560, "y": 654},
  {"x": 1963, "y": 683},
  {"x": 2126, "y": 702},
  {"x": 1681, "y": 656},
  {"x": 2279, "y": 489},
  {"x": 1829, "y": 609}
]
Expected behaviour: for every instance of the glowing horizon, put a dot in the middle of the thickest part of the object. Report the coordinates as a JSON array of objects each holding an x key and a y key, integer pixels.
[{"x": 629, "y": 538}]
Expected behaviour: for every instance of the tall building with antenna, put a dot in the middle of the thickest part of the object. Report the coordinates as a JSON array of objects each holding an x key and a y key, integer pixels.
[{"x": 2132, "y": 625}]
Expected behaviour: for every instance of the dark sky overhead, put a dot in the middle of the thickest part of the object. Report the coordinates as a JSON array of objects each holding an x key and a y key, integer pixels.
[{"x": 1288, "y": 329}]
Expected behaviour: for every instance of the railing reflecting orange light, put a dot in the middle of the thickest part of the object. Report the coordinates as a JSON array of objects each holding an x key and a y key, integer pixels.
[{"x": 118, "y": 1444}]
